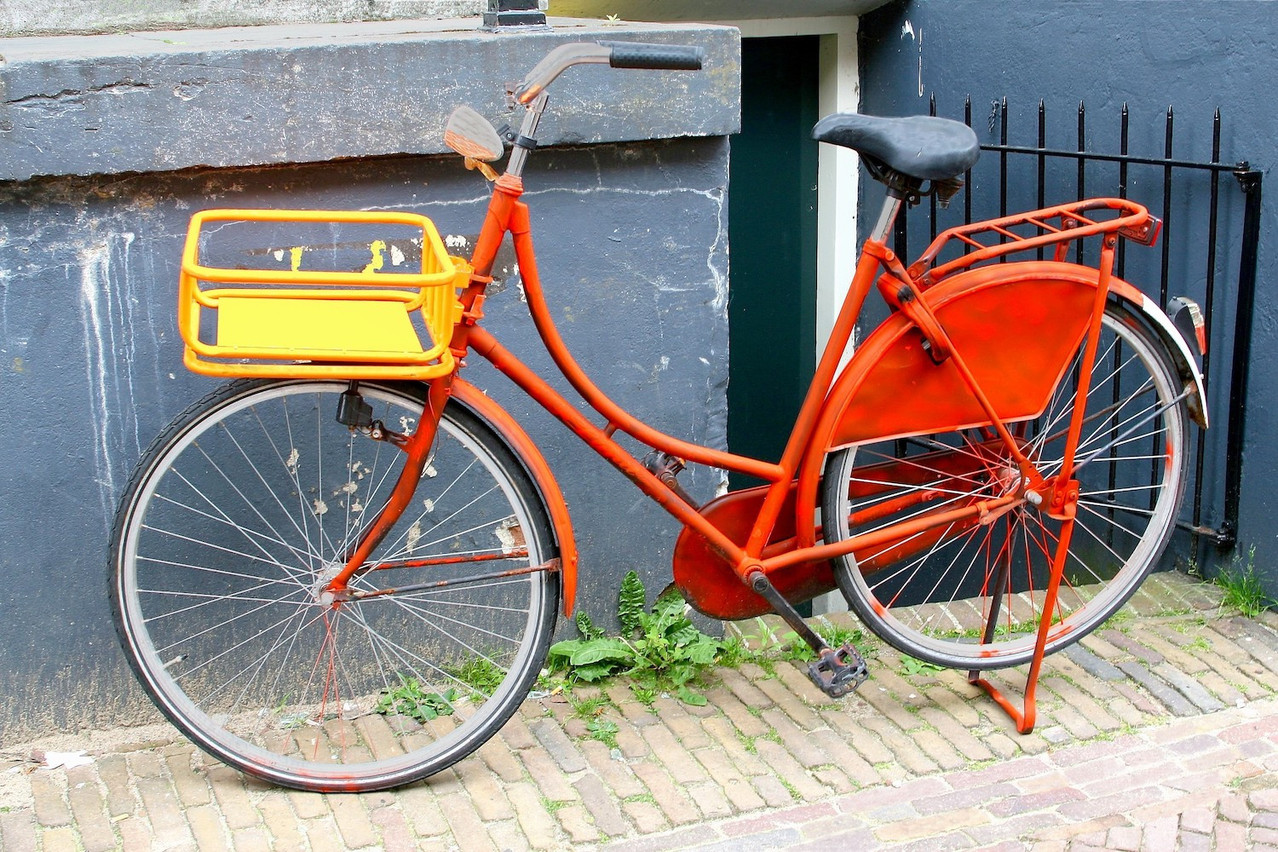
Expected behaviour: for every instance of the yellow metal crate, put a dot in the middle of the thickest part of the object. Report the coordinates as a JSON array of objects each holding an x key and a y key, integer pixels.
[{"x": 253, "y": 317}]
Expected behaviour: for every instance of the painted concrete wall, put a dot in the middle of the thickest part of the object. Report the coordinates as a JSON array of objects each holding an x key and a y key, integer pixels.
[
  {"x": 1191, "y": 55},
  {"x": 632, "y": 248}
]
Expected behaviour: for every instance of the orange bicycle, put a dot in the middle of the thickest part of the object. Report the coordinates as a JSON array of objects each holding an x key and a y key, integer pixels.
[{"x": 343, "y": 571}]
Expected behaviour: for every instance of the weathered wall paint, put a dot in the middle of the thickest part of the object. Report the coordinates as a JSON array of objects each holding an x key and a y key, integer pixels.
[
  {"x": 1192, "y": 55},
  {"x": 632, "y": 248}
]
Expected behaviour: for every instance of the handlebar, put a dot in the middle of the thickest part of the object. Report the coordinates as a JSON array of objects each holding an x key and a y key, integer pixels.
[{"x": 617, "y": 54}]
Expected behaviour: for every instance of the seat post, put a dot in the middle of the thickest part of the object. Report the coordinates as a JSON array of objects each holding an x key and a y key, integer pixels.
[{"x": 887, "y": 217}]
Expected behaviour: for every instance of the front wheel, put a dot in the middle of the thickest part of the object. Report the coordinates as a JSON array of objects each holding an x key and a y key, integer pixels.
[
  {"x": 235, "y": 521},
  {"x": 970, "y": 594}
]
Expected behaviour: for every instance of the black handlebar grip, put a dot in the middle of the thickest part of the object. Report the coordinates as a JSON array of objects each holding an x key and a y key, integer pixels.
[{"x": 668, "y": 57}]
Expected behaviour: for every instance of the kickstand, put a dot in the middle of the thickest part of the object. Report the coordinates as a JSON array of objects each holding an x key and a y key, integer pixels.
[{"x": 1026, "y": 715}]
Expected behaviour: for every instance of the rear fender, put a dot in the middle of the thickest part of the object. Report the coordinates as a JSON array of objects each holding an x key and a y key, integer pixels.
[
  {"x": 1016, "y": 326},
  {"x": 539, "y": 472}
]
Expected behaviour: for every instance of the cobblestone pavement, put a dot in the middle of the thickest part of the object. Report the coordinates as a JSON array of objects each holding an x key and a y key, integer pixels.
[{"x": 1158, "y": 732}]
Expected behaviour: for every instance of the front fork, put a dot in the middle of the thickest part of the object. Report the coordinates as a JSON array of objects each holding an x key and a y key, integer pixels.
[{"x": 416, "y": 448}]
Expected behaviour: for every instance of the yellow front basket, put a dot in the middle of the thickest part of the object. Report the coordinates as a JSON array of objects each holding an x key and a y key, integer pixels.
[{"x": 318, "y": 293}]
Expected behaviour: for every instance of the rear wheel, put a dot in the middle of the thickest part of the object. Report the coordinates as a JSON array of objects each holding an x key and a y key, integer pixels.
[
  {"x": 237, "y": 518},
  {"x": 970, "y": 594}
]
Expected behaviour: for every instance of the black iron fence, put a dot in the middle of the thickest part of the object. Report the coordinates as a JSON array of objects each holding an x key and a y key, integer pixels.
[{"x": 1208, "y": 251}]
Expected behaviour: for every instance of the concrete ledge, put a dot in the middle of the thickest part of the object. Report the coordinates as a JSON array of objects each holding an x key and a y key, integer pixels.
[{"x": 159, "y": 101}]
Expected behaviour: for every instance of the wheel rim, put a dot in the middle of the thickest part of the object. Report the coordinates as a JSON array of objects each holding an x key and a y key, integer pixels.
[
  {"x": 236, "y": 530},
  {"x": 971, "y": 595}
]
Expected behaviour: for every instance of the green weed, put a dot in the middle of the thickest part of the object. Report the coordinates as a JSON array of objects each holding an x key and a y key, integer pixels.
[
  {"x": 1243, "y": 590},
  {"x": 409, "y": 699},
  {"x": 659, "y": 649}
]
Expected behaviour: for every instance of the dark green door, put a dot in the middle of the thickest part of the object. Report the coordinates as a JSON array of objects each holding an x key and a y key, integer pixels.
[{"x": 772, "y": 245}]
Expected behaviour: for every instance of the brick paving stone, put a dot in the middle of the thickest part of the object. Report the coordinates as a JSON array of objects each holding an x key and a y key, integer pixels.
[
  {"x": 965, "y": 796},
  {"x": 839, "y": 753},
  {"x": 646, "y": 816},
  {"x": 61, "y": 839},
  {"x": 633, "y": 710},
  {"x": 134, "y": 832},
  {"x": 1086, "y": 705},
  {"x": 114, "y": 772},
  {"x": 466, "y": 827},
  {"x": 853, "y": 729},
  {"x": 616, "y": 774},
  {"x": 501, "y": 759},
  {"x": 1096, "y": 666},
  {"x": 1230, "y": 836},
  {"x": 1030, "y": 802},
  {"x": 674, "y": 803},
  {"x": 921, "y": 827},
  {"x": 485, "y": 790},
  {"x": 603, "y": 809},
  {"x": 253, "y": 839},
  {"x": 786, "y": 702},
  {"x": 772, "y": 791},
  {"x": 1190, "y": 688},
  {"x": 168, "y": 823},
  {"x": 192, "y": 786},
  {"x": 960, "y": 707},
  {"x": 393, "y": 826},
  {"x": 1115, "y": 803},
  {"x": 233, "y": 800},
  {"x": 834, "y": 779},
  {"x": 207, "y": 828},
  {"x": 353, "y": 822},
  {"x": 308, "y": 805},
  {"x": 1233, "y": 806},
  {"x": 48, "y": 791},
  {"x": 745, "y": 691},
  {"x": 554, "y": 784},
  {"x": 84, "y": 795},
  {"x": 939, "y": 749},
  {"x": 1169, "y": 697},
  {"x": 557, "y": 744},
  {"x": 687, "y": 727},
  {"x": 796, "y": 739},
  {"x": 537, "y": 824},
  {"x": 891, "y": 705},
  {"x": 631, "y": 742},
  {"x": 737, "y": 713},
  {"x": 683, "y": 767},
  {"x": 725, "y": 736},
  {"x": 575, "y": 820},
  {"x": 281, "y": 822},
  {"x": 18, "y": 831},
  {"x": 790, "y": 771},
  {"x": 1080, "y": 727},
  {"x": 735, "y": 786},
  {"x": 710, "y": 800},
  {"x": 899, "y": 745},
  {"x": 516, "y": 735},
  {"x": 957, "y": 736}
]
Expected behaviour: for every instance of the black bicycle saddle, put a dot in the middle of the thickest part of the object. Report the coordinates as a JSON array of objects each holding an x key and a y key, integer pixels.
[{"x": 920, "y": 146}]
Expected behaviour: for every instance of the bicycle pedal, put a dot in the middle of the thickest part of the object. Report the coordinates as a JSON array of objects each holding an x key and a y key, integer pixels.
[{"x": 839, "y": 672}]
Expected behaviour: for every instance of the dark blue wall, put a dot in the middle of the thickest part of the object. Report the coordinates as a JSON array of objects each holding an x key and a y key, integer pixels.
[
  {"x": 1191, "y": 55},
  {"x": 632, "y": 248}
]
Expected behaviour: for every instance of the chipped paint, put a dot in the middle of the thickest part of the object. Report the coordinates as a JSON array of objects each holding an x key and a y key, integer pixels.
[
  {"x": 109, "y": 347},
  {"x": 378, "y": 261}
]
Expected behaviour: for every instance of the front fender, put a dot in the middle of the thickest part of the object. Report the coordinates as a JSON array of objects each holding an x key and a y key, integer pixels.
[{"x": 539, "y": 471}]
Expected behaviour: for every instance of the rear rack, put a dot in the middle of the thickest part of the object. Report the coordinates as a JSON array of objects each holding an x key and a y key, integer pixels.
[{"x": 1052, "y": 226}]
